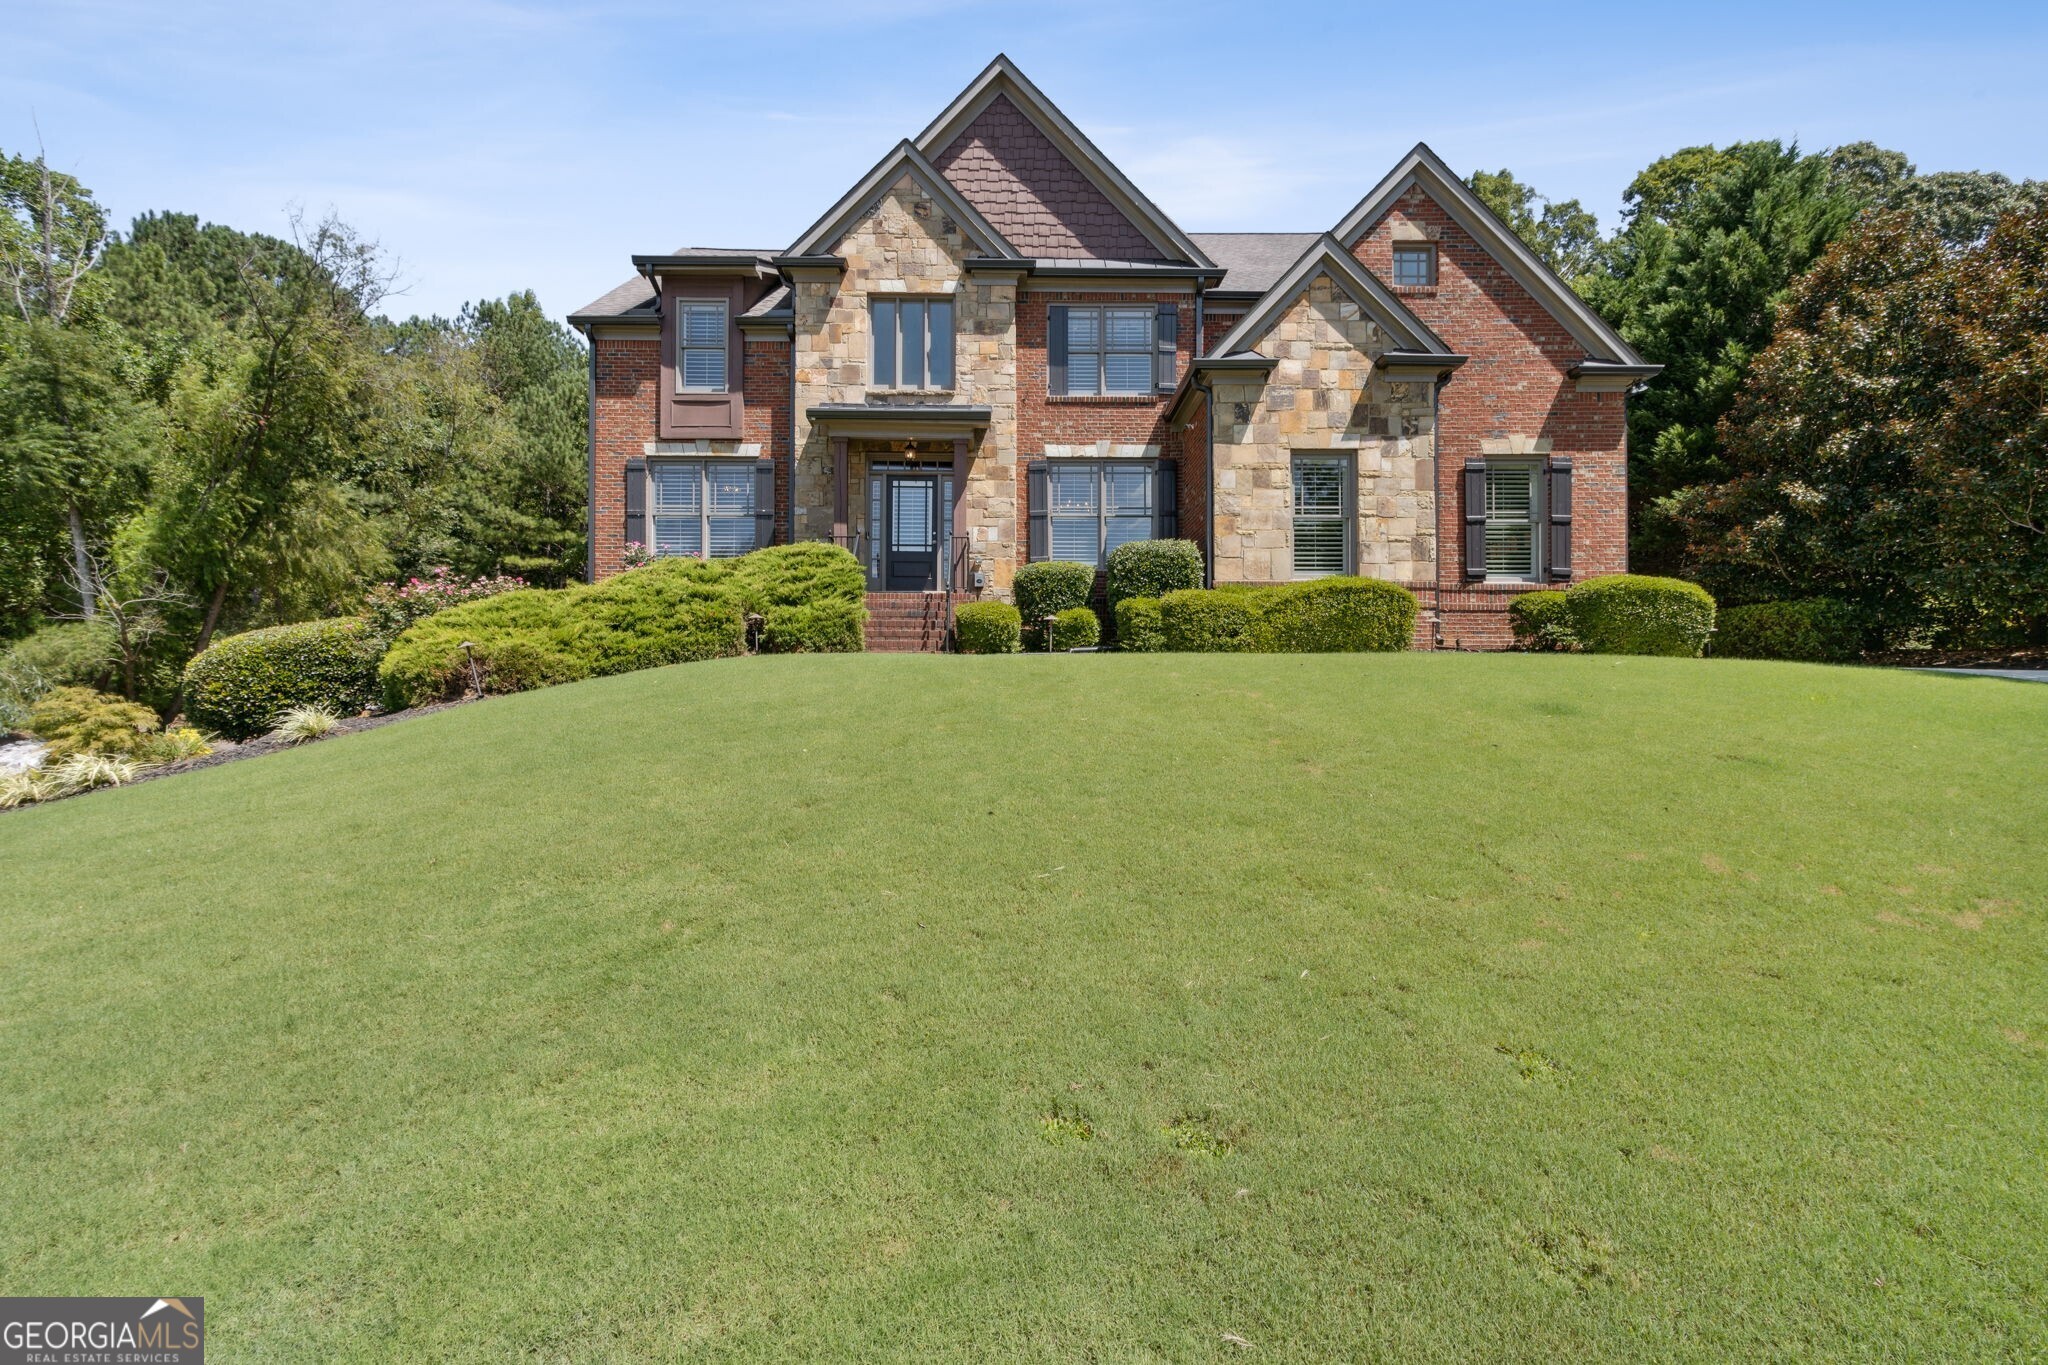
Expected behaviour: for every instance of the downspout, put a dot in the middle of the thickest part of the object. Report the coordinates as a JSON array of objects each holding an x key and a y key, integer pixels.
[
  {"x": 1436, "y": 450},
  {"x": 590, "y": 464},
  {"x": 789, "y": 485},
  {"x": 1208, "y": 479}
]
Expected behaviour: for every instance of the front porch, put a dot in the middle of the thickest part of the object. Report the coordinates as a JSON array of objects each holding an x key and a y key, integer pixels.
[{"x": 899, "y": 479}]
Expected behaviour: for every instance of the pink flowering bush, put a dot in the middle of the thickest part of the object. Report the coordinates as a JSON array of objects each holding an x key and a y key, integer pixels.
[{"x": 390, "y": 607}]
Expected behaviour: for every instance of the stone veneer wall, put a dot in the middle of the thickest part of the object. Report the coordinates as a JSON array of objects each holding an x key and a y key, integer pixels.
[
  {"x": 1323, "y": 395},
  {"x": 905, "y": 244}
]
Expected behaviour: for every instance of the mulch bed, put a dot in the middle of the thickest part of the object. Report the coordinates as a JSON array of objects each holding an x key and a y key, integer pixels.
[{"x": 2026, "y": 656}]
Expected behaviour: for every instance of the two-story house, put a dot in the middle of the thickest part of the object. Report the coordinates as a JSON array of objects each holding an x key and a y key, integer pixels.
[{"x": 994, "y": 349}]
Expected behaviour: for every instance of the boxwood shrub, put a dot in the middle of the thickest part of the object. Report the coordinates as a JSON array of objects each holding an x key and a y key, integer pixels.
[
  {"x": 241, "y": 685},
  {"x": 1076, "y": 628},
  {"x": 1205, "y": 621},
  {"x": 1335, "y": 616},
  {"x": 1152, "y": 568},
  {"x": 1814, "y": 629},
  {"x": 1049, "y": 588},
  {"x": 1542, "y": 620},
  {"x": 1638, "y": 614},
  {"x": 987, "y": 628},
  {"x": 1138, "y": 627}
]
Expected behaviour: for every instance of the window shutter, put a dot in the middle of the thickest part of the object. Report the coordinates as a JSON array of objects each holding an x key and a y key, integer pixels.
[
  {"x": 1167, "y": 335},
  {"x": 1039, "y": 496},
  {"x": 636, "y": 502},
  {"x": 1558, "y": 498},
  {"x": 1475, "y": 519},
  {"x": 764, "y": 502},
  {"x": 1056, "y": 348},
  {"x": 1166, "y": 501}
]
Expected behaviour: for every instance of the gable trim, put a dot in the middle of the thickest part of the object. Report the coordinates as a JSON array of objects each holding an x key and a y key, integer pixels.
[
  {"x": 1425, "y": 168},
  {"x": 1001, "y": 77},
  {"x": 1327, "y": 255},
  {"x": 903, "y": 159}
]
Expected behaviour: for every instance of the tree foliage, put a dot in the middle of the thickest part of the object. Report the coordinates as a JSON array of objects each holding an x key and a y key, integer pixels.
[{"x": 1563, "y": 233}]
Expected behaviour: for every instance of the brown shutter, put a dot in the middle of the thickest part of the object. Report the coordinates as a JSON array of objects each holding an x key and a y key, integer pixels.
[
  {"x": 1166, "y": 501},
  {"x": 764, "y": 502},
  {"x": 1039, "y": 496},
  {"x": 636, "y": 503},
  {"x": 1558, "y": 499},
  {"x": 1056, "y": 348},
  {"x": 1475, "y": 519},
  {"x": 1167, "y": 336}
]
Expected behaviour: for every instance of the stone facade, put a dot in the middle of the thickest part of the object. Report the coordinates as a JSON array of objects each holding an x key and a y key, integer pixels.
[
  {"x": 907, "y": 245},
  {"x": 1323, "y": 396}
]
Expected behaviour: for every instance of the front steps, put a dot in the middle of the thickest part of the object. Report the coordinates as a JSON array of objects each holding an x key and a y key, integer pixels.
[{"x": 906, "y": 622}]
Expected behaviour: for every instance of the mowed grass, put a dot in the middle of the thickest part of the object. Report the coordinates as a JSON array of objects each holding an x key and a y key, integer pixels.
[{"x": 1079, "y": 1008}]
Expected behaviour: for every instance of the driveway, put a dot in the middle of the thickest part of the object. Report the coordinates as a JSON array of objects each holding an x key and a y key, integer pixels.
[{"x": 2039, "y": 675}]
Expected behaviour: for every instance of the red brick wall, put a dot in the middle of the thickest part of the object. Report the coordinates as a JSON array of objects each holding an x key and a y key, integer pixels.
[
  {"x": 1516, "y": 383},
  {"x": 1046, "y": 419},
  {"x": 628, "y": 394},
  {"x": 768, "y": 417}
]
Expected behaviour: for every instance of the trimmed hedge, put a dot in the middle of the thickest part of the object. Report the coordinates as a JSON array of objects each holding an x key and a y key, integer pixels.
[
  {"x": 1152, "y": 568},
  {"x": 1542, "y": 620},
  {"x": 829, "y": 627},
  {"x": 1138, "y": 628},
  {"x": 1335, "y": 616},
  {"x": 1638, "y": 614},
  {"x": 1049, "y": 588},
  {"x": 241, "y": 685},
  {"x": 1204, "y": 621},
  {"x": 1076, "y": 628},
  {"x": 1813, "y": 629},
  {"x": 987, "y": 628}
]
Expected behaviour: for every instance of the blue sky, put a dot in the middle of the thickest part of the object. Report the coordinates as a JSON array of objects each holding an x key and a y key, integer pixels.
[{"x": 493, "y": 145}]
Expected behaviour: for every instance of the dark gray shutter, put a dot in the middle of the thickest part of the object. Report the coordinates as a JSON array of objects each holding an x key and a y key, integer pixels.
[
  {"x": 1167, "y": 335},
  {"x": 1166, "y": 501},
  {"x": 1056, "y": 348},
  {"x": 1475, "y": 518},
  {"x": 636, "y": 503},
  {"x": 1039, "y": 497},
  {"x": 1558, "y": 499},
  {"x": 764, "y": 502}
]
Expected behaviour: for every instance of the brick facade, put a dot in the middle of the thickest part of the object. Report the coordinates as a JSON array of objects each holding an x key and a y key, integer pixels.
[{"x": 628, "y": 393}]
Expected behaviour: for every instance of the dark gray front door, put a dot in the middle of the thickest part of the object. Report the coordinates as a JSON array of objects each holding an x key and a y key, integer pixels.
[{"x": 910, "y": 532}]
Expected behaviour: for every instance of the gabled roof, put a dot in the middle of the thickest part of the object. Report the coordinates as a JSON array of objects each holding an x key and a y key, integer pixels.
[
  {"x": 1253, "y": 260},
  {"x": 903, "y": 159},
  {"x": 1425, "y": 168},
  {"x": 1326, "y": 255},
  {"x": 1002, "y": 78}
]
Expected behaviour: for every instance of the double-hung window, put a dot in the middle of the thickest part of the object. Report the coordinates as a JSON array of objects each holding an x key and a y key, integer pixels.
[
  {"x": 1322, "y": 521},
  {"x": 703, "y": 508},
  {"x": 1513, "y": 513},
  {"x": 911, "y": 343},
  {"x": 700, "y": 346},
  {"x": 1414, "y": 266},
  {"x": 1110, "y": 350},
  {"x": 1093, "y": 508}
]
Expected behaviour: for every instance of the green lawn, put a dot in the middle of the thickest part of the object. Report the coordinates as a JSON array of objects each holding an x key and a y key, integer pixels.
[{"x": 1433, "y": 1008}]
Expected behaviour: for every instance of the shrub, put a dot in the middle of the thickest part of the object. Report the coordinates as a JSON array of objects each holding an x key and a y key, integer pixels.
[
  {"x": 1206, "y": 621},
  {"x": 241, "y": 685},
  {"x": 794, "y": 576},
  {"x": 83, "y": 772},
  {"x": 78, "y": 720},
  {"x": 1636, "y": 614},
  {"x": 987, "y": 628},
  {"x": 1542, "y": 620},
  {"x": 829, "y": 627},
  {"x": 390, "y": 608},
  {"x": 76, "y": 654},
  {"x": 303, "y": 723},
  {"x": 1076, "y": 628},
  {"x": 1049, "y": 588},
  {"x": 1335, "y": 616},
  {"x": 1815, "y": 629},
  {"x": 1152, "y": 568},
  {"x": 178, "y": 742},
  {"x": 671, "y": 612},
  {"x": 1137, "y": 626}
]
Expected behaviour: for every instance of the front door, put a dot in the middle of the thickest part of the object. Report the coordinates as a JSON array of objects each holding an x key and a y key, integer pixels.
[{"x": 913, "y": 517}]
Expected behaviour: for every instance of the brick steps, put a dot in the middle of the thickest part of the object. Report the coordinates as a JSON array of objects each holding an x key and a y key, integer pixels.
[{"x": 906, "y": 622}]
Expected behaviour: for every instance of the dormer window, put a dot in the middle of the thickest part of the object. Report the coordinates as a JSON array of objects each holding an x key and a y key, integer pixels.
[
  {"x": 1414, "y": 265},
  {"x": 912, "y": 342},
  {"x": 700, "y": 346}
]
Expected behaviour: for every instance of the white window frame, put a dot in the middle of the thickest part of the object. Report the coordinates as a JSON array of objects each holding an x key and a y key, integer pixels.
[
  {"x": 895, "y": 302},
  {"x": 705, "y": 513},
  {"x": 1533, "y": 471},
  {"x": 1103, "y": 350},
  {"x": 1426, "y": 250},
  {"x": 1101, "y": 469},
  {"x": 1346, "y": 516},
  {"x": 683, "y": 346}
]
